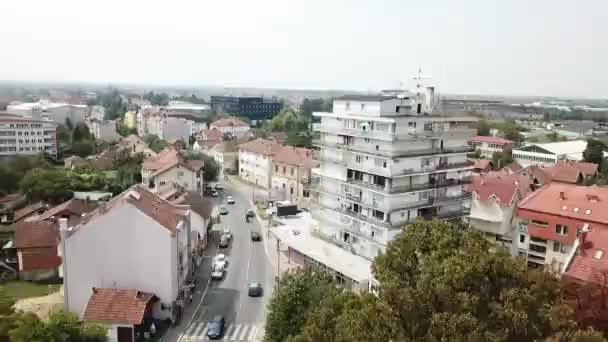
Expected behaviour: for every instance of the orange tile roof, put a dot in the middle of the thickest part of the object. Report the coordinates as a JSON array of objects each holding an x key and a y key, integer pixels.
[
  {"x": 35, "y": 234},
  {"x": 261, "y": 146},
  {"x": 167, "y": 159},
  {"x": 212, "y": 134},
  {"x": 295, "y": 156},
  {"x": 72, "y": 207},
  {"x": 30, "y": 209},
  {"x": 584, "y": 265},
  {"x": 229, "y": 122},
  {"x": 563, "y": 171},
  {"x": 564, "y": 199},
  {"x": 118, "y": 306},
  {"x": 506, "y": 188}
]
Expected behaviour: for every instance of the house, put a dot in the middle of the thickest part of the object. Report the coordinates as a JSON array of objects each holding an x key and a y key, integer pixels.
[
  {"x": 482, "y": 166},
  {"x": 292, "y": 172},
  {"x": 231, "y": 125},
  {"x": 255, "y": 161},
  {"x": 103, "y": 161},
  {"x": 549, "y": 153},
  {"x": 72, "y": 210},
  {"x": 494, "y": 201},
  {"x": 8, "y": 203},
  {"x": 134, "y": 144},
  {"x": 36, "y": 244},
  {"x": 200, "y": 218},
  {"x": 563, "y": 171},
  {"x": 488, "y": 145},
  {"x": 138, "y": 240},
  {"x": 125, "y": 312},
  {"x": 551, "y": 218},
  {"x": 170, "y": 171},
  {"x": 30, "y": 210}
]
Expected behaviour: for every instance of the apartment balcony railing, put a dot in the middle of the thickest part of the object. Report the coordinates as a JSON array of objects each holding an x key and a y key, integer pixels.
[
  {"x": 412, "y": 187},
  {"x": 440, "y": 167},
  {"x": 393, "y": 153},
  {"x": 439, "y": 133},
  {"x": 380, "y": 135}
]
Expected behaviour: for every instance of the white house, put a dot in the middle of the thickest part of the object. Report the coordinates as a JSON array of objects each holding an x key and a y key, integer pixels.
[
  {"x": 488, "y": 145},
  {"x": 232, "y": 125},
  {"x": 255, "y": 161},
  {"x": 549, "y": 153},
  {"x": 139, "y": 241},
  {"x": 169, "y": 171}
]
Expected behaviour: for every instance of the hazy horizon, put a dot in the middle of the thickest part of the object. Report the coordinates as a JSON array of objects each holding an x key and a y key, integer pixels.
[{"x": 520, "y": 48}]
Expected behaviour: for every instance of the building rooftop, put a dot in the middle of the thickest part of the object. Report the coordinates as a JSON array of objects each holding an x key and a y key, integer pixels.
[
  {"x": 169, "y": 158},
  {"x": 563, "y": 171},
  {"x": 261, "y": 146},
  {"x": 591, "y": 261},
  {"x": 117, "y": 306},
  {"x": 42, "y": 104},
  {"x": 35, "y": 234},
  {"x": 229, "y": 122},
  {"x": 560, "y": 148},
  {"x": 73, "y": 207},
  {"x": 27, "y": 210},
  {"x": 212, "y": 134},
  {"x": 506, "y": 188},
  {"x": 364, "y": 98},
  {"x": 296, "y": 233},
  {"x": 490, "y": 140},
  {"x": 295, "y": 156},
  {"x": 197, "y": 203},
  {"x": 587, "y": 203}
]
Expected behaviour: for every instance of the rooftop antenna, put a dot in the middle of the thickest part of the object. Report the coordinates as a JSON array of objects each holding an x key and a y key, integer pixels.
[{"x": 418, "y": 78}]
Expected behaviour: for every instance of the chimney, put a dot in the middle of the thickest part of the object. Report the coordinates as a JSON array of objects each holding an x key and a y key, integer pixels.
[
  {"x": 562, "y": 195},
  {"x": 583, "y": 237},
  {"x": 94, "y": 289}
]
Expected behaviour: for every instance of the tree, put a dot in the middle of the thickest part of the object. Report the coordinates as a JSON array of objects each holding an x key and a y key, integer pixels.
[
  {"x": 155, "y": 143},
  {"x": 81, "y": 132},
  {"x": 68, "y": 124},
  {"x": 50, "y": 185},
  {"x": 210, "y": 169},
  {"x": 61, "y": 326},
  {"x": 483, "y": 128},
  {"x": 594, "y": 152},
  {"x": 125, "y": 131},
  {"x": 298, "y": 294},
  {"x": 502, "y": 159},
  {"x": 83, "y": 148}
]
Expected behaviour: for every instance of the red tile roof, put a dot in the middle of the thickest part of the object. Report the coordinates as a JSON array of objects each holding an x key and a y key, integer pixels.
[
  {"x": 490, "y": 140},
  {"x": 212, "y": 134},
  {"x": 564, "y": 199},
  {"x": 482, "y": 164},
  {"x": 585, "y": 266},
  {"x": 28, "y": 210},
  {"x": 295, "y": 156},
  {"x": 118, "y": 306},
  {"x": 35, "y": 234},
  {"x": 73, "y": 207},
  {"x": 506, "y": 188},
  {"x": 563, "y": 171},
  {"x": 167, "y": 159},
  {"x": 229, "y": 122},
  {"x": 261, "y": 146}
]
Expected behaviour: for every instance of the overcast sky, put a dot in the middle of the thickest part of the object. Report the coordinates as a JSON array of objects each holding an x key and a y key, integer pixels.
[{"x": 510, "y": 47}]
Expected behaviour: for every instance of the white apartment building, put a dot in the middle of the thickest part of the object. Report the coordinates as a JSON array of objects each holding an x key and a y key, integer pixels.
[
  {"x": 255, "y": 161},
  {"x": 57, "y": 112},
  {"x": 166, "y": 127},
  {"x": 104, "y": 130},
  {"x": 386, "y": 161},
  {"x": 19, "y": 136}
]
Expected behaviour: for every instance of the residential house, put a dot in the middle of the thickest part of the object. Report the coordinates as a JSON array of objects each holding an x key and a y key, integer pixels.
[
  {"x": 292, "y": 172},
  {"x": 126, "y": 313},
  {"x": 551, "y": 219},
  {"x": 200, "y": 218},
  {"x": 226, "y": 155},
  {"x": 30, "y": 210},
  {"x": 563, "y": 171},
  {"x": 72, "y": 210},
  {"x": 255, "y": 161},
  {"x": 487, "y": 146},
  {"x": 232, "y": 126},
  {"x": 134, "y": 144},
  {"x": 169, "y": 171},
  {"x": 493, "y": 204},
  {"x": 103, "y": 161},
  {"x": 137, "y": 240},
  {"x": 36, "y": 244},
  {"x": 549, "y": 153},
  {"x": 207, "y": 139}
]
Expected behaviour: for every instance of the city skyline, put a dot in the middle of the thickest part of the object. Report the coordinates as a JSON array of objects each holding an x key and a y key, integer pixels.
[{"x": 545, "y": 48}]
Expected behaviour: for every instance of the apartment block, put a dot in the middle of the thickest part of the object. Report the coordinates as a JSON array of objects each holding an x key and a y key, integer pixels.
[
  {"x": 19, "y": 136},
  {"x": 385, "y": 162}
]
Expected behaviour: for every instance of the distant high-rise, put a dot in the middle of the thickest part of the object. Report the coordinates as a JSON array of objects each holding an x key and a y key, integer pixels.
[{"x": 257, "y": 109}]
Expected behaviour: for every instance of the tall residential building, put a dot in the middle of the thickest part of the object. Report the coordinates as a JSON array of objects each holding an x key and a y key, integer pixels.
[
  {"x": 57, "y": 112},
  {"x": 386, "y": 161},
  {"x": 20, "y": 136}
]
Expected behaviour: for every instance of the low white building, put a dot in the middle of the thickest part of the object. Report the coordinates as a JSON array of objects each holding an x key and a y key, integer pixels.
[
  {"x": 139, "y": 241},
  {"x": 104, "y": 130},
  {"x": 488, "y": 145},
  {"x": 549, "y": 153},
  {"x": 233, "y": 126},
  {"x": 169, "y": 171},
  {"x": 164, "y": 126},
  {"x": 57, "y": 112},
  {"x": 255, "y": 161}
]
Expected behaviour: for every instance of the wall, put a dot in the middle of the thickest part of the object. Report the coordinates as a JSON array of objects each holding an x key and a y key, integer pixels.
[
  {"x": 179, "y": 175},
  {"x": 122, "y": 248},
  {"x": 255, "y": 168},
  {"x": 176, "y": 128}
]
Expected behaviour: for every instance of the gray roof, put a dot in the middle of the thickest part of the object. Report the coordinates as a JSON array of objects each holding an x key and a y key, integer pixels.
[{"x": 365, "y": 97}]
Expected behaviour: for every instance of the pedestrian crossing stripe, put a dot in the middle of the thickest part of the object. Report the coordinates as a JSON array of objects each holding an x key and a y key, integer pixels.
[{"x": 197, "y": 331}]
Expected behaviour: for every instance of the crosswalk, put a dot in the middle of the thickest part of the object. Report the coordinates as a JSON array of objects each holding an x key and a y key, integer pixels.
[{"x": 197, "y": 331}]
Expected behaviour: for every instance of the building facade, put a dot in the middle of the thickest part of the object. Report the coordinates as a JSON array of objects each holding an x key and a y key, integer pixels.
[
  {"x": 27, "y": 137},
  {"x": 292, "y": 173},
  {"x": 56, "y": 112},
  {"x": 232, "y": 126},
  {"x": 386, "y": 161},
  {"x": 103, "y": 130},
  {"x": 169, "y": 171},
  {"x": 488, "y": 145},
  {"x": 549, "y": 153},
  {"x": 257, "y": 109},
  {"x": 255, "y": 161}
]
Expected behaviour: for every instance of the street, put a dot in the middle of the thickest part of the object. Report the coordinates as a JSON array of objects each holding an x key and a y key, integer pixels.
[{"x": 247, "y": 262}]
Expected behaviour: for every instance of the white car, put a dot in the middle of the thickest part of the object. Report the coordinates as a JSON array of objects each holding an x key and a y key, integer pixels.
[
  {"x": 227, "y": 233},
  {"x": 217, "y": 273},
  {"x": 230, "y": 200},
  {"x": 220, "y": 260}
]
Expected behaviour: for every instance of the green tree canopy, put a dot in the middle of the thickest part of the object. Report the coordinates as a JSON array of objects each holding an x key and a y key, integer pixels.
[
  {"x": 61, "y": 326},
  {"x": 46, "y": 185},
  {"x": 594, "y": 152},
  {"x": 155, "y": 143},
  {"x": 483, "y": 128}
]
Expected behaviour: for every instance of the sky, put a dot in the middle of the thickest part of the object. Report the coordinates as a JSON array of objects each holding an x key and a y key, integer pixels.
[{"x": 508, "y": 47}]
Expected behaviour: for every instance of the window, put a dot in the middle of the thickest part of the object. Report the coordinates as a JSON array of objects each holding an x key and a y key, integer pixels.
[
  {"x": 522, "y": 238},
  {"x": 378, "y": 215},
  {"x": 276, "y": 168},
  {"x": 291, "y": 171},
  {"x": 540, "y": 223},
  {"x": 362, "y": 106},
  {"x": 367, "y": 140},
  {"x": 347, "y": 105},
  {"x": 305, "y": 193},
  {"x": 291, "y": 190},
  {"x": 284, "y": 169},
  {"x": 358, "y": 159},
  {"x": 559, "y": 247},
  {"x": 180, "y": 174},
  {"x": 384, "y": 164},
  {"x": 538, "y": 249},
  {"x": 561, "y": 229}
]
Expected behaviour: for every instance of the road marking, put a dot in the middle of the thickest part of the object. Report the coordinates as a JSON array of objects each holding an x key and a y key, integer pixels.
[
  {"x": 204, "y": 332},
  {"x": 191, "y": 331},
  {"x": 228, "y": 332},
  {"x": 244, "y": 333},
  {"x": 201, "y": 326},
  {"x": 253, "y": 333},
  {"x": 236, "y": 331}
]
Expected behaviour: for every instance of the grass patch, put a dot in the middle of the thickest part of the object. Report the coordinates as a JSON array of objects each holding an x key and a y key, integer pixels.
[{"x": 26, "y": 289}]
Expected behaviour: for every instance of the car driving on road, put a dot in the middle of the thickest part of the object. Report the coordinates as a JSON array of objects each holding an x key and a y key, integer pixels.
[
  {"x": 214, "y": 193},
  {"x": 230, "y": 200},
  {"x": 255, "y": 236},
  {"x": 254, "y": 289},
  {"x": 216, "y": 327},
  {"x": 223, "y": 210},
  {"x": 227, "y": 233},
  {"x": 220, "y": 260},
  {"x": 217, "y": 273},
  {"x": 224, "y": 241}
]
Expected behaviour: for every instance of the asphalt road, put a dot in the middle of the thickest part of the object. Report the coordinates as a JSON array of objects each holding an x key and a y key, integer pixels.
[{"x": 247, "y": 262}]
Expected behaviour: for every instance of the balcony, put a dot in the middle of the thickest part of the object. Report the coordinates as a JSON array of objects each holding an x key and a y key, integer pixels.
[
  {"x": 438, "y": 133},
  {"x": 411, "y": 187},
  {"x": 393, "y": 153},
  {"x": 356, "y": 132}
]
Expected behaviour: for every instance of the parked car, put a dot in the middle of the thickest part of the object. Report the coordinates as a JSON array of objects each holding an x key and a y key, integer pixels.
[
  {"x": 255, "y": 289},
  {"x": 226, "y": 232},
  {"x": 230, "y": 200},
  {"x": 255, "y": 236},
  {"x": 217, "y": 273},
  {"x": 224, "y": 241},
  {"x": 219, "y": 187},
  {"x": 223, "y": 210},
  {"x": 220, "y": 260},
  {"x": 216, "y": 328},
  {"x": 250, "y": 213},
  {"x": 214, "y": 193}
]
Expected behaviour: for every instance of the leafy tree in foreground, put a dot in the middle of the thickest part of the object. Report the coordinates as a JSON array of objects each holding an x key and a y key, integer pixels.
[
  {"x": 61, "y": 326},
  {"x": 594, "y": 152},
  {"x": 483, "y": 128},
  {"x": 46, "y": 184}
]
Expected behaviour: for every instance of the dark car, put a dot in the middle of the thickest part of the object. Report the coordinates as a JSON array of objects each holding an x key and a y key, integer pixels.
[
  {"x": 250, "y": 213},
  {"x": 255, "y": 236},
  {"x": 224, "y": 241},
  {"x": 254, "y": 289},
  {"x": 216, "y": 328}
]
